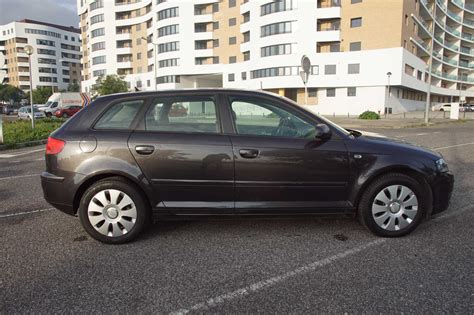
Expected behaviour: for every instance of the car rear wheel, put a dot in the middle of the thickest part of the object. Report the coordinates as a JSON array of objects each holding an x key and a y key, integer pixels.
[
  {"x": 113, "y": 211},
  {"x": 49, "y": 115},
  {"x": 393, "y": 205}
]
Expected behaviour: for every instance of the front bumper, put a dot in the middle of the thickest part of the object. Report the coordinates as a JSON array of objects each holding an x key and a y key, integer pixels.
[{"x": 442, "y": 188}]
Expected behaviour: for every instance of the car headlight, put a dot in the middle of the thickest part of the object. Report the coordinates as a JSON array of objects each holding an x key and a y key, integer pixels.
[{"x": 441, "y": 166}]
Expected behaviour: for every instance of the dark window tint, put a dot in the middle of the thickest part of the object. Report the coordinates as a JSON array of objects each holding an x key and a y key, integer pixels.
[
  {"x": 259, "y": 118},
  {"x": 119, "y": 116},
  {"x": 184, "y": 114}
]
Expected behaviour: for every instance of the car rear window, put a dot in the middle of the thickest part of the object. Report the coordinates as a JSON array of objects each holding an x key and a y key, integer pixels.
[{"x": 119, "y": 116}]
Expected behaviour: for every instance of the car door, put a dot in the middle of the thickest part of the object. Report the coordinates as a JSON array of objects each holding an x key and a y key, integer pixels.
[
  {"x": 184, "y": 154},
  {"x": 280, "y": 165}
]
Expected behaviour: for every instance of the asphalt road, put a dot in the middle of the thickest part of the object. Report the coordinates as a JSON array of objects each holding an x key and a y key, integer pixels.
[{"x": 269, "y": 265}]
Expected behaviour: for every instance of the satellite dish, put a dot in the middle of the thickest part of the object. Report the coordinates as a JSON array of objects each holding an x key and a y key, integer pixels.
[{"x": 29, "y": 50}]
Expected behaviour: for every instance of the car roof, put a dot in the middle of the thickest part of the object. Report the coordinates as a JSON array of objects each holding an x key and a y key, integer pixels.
[{"x": 184, "y": 91}]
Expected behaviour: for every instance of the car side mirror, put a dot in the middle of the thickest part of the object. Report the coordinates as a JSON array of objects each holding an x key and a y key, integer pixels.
[{"x": 323, "y": 132}]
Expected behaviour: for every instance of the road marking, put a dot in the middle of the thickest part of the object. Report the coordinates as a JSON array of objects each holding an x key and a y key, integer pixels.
[
  {"x": 454, "y": 146},
  {"x": 258, "y": 286},
  {"x": 2, "y": 216},
  {"x": 21, "y": 176},
  {"x": 8, "y": 156}
]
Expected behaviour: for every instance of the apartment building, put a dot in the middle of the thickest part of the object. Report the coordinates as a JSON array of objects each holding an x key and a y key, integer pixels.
[
  {"x": 56, "y": 59},
  {"x": 365, "y": 54}
]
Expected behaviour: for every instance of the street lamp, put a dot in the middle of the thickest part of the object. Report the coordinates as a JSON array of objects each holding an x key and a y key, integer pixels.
[
  {"x": 29, "y": 50},
  {"x": 389, "y": 74},
  {"x": 155, "y": 52}
]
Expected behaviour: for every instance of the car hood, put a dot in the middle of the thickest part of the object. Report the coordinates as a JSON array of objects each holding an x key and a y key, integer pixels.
[{"x": 380, "y": 144}]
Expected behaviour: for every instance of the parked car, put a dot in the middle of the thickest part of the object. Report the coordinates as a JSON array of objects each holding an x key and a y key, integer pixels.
[
  {"x": 10, "y": 109},
  {"x": 466, "y": 108},
  {"x": 68, "y": 111},
  {"x": 445, "y": 108},
  {"x": 24, "y": 113},
  {"x": 124, "y": 161}
]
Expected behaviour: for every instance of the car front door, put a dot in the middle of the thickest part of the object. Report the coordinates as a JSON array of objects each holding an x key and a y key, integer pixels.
[
  {"x": 280, "y": 165},
  {"x": 182, "y": 151}
]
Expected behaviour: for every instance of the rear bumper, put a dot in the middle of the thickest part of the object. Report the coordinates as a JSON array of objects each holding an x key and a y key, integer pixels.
[
  {"x": 59, "y": 192},
  {"x": 442, "y": 188}
]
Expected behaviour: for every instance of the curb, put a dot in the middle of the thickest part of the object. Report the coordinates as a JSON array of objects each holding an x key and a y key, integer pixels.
[{"x": 12, "y": 146}]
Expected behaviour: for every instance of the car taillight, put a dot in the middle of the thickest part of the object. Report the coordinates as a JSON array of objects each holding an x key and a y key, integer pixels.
[{"x": 54, "y": 146}]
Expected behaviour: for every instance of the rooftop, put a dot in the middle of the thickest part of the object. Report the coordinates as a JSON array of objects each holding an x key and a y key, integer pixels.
[{"x": 61, "y": 27}]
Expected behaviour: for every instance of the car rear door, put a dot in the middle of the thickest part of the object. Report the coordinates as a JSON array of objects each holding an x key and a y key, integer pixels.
[
  {"x": 182, "y": 151},
  {"x": 280, "y": 165}
]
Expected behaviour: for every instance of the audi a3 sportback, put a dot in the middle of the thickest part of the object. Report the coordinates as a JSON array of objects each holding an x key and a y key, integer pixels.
[{"x": 128, "y": 159}]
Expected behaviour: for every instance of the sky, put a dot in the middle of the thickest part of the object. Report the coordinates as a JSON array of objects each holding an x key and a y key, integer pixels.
[{"x": 62, "y": 12}]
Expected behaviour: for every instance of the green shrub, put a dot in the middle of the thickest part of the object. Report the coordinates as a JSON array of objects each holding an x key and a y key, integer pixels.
[
  {"x": 20, "y": 131},
  {"x": 369, "y": 115}
]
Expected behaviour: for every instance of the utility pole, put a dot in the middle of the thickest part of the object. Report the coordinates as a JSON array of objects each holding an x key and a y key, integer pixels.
[
  {"x": 430, "y": 68},
  {"x": 29, "y": 50}
]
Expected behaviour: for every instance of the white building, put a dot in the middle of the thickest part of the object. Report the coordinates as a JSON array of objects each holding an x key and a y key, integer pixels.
[
  {"x": 56, "y": 59},
  {"x": 353, "y": 45}
]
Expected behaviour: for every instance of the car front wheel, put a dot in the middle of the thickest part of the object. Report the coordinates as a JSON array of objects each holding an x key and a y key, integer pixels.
[
  {"x": 113, "y": 211},
  {"x": 393, "y": 205}
]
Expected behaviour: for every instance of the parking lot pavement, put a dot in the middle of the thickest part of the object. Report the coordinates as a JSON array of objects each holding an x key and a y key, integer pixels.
[{"x": 240, "y": 265}]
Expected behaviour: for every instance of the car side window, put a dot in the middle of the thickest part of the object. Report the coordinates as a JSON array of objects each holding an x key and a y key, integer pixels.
[
  {"x": 182, "y": 114},
  {"x": 260, "y": 118},
  {"x": 119, "y": 116}
]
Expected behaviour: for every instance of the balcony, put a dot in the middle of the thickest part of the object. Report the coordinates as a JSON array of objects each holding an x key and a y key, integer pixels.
[{"x": 328, "y": 3}]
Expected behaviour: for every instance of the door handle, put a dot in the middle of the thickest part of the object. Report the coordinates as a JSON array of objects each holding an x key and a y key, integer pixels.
[
  {"x": 144, "y": 149},
  {"x": 249, "y": 153}
]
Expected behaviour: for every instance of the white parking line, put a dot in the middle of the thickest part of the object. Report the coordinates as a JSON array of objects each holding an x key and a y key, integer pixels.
[
  {"x": 258, "y": 286},
  {"x": 21, "y": 176},
  {"x": 24, "y": 213},
  {"x": 454, "y": 146},
  {"x": 8, "y": 156}
]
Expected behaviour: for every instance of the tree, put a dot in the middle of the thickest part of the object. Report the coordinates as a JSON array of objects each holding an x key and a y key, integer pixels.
[
  {"x": 9, "y": 93},
  {"x": 73, "y": 87},
  {"x": 41, "y": 94},
  {"x": 110, "y": 84}
]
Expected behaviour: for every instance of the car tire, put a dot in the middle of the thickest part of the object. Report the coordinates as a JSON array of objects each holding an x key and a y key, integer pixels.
[
  {"x": 49, "y": 115},
  {"x": 104, "y": 210},
  {"x": 393, "y": 205}
]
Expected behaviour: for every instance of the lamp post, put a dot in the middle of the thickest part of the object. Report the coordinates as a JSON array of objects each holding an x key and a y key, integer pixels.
[
  {"x": 155, "y": 52},
  {"x": 29, "y": 50},
  {"x": 389, "y": 74}
]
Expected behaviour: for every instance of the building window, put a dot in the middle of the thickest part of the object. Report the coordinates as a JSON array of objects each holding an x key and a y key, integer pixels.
[
  {"x": 353, "y": 68},
  {"x": 45, "y": 42},
  {"x": 232, "y": 21},
  {"x": 409, "y": 69},
  {"x": 276, "y": 6},
  {"x": 232, "y": 40},
  {"x": 312, "y": 92},
  {"x": 274, "y": 72},
  {"x": 173, "y": 62},
  {"x": 168, "y": 13},
  {"x": 246, "y": 37},
  {"x": 98, "y": 32},
  {"x": 231, "y": 77},
  {"x": 336, "y": 47},
  {"x": 168, "y": 30},
  {"x": 166, "y": 47},
  {"x": 97, "y": 18},
  {"x": 215, "y": 7},
  {"x": 351, "y": 91},
  {"x": 215, "y": 43},
  {"x": 98, "y": 46},
  {"x": 246, "y": 55},
  {"x": 330, "y": 92},
  {"x": 98, "y": 60},
  {"x": 355, "y": 46},
  {"x": 96, "y": 4},
  {"x": 232, "y": 59},
  {"x": 356, "y": 22},
  {"x": 330, "y": 69},
  {"x": 275, "y": 28},
  {"x": 139, "y": 56},
  {"x": 274, "y": 50},
  {"x": 244, "y": 76},
  {"x": 98, "y": 73},
  {"x": 356, "y": 1},
  {"x": 215, "y": 25},
  {"x": 231, "y": 3}
]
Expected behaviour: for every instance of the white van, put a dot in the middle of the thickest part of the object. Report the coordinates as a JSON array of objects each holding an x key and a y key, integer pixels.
[{"x": 66, "y": 99}]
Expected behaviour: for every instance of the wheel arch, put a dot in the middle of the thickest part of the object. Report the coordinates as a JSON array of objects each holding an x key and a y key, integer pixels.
[
  {"x": 406, "y": 170},
  {"x": 89, "y": 181}
]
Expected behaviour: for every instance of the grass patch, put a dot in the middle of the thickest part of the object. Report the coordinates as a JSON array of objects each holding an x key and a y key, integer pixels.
[{"x": 15, "y": 132}]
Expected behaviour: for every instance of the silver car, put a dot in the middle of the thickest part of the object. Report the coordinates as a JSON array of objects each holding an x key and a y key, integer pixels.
[{"x": 24, "y": 113}]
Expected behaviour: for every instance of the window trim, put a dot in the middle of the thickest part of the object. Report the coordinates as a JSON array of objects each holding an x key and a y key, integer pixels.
[{"x": 214, "y": 97}]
